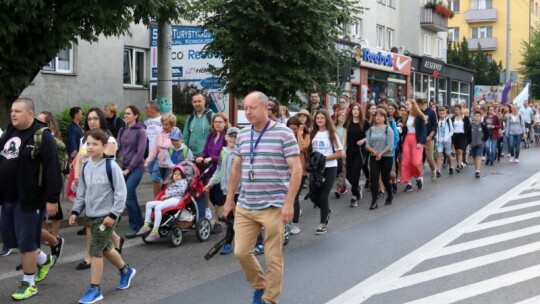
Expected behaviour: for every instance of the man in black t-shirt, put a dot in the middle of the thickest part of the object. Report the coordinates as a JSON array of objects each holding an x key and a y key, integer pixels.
[{"x": 31, "y": 184}]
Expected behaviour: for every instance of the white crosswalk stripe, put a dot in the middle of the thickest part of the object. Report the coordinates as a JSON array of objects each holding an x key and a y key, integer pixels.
[{"x": 467, "y": 247}]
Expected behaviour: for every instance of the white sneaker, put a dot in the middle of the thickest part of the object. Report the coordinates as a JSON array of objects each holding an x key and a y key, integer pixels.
[
  {"x": 295, "y": 229},
  {"x": 208, "y": 213},
  {"x": 483, "y": 158},
  {"x": 511, "y": 160},
  {"x": 516, "y": 160}
]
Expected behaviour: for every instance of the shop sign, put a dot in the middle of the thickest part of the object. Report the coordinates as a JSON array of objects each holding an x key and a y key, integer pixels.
[
  {"x": 431, "y": 66},
  {"x": 384, "y": 61}
]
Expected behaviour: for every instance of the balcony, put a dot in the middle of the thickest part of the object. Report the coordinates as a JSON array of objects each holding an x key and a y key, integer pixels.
[
  {"x": 481, "y": 15},
  {"x": 487, "y": 44},
  {"x": 431, "y": 21}
]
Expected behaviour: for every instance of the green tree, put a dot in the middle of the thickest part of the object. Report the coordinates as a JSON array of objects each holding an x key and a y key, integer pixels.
[
  {"x": 33, "y": 31},
  {"x": 487, "y": 72},
  {"x": 530, "y": 64},
  {"x": 278, "y": 47}
]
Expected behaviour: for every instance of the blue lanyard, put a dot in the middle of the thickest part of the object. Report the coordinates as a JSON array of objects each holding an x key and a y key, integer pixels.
[{"x": 251, "y": 147}]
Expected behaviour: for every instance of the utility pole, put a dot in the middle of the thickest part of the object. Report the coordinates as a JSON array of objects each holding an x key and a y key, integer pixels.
[
  {"x": 164, "y": 82},
  {"x": 508, "y": 29}
]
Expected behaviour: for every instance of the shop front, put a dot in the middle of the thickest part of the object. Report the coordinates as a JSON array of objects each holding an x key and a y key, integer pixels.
[
  {"x": 381, "y": 72},
  {"x": 445, "y": 84}
]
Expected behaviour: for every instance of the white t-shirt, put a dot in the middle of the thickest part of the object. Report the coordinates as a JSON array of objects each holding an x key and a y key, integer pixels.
[
  {"x": 83, "y": 148},
  {"x": 459, "y": 127},
  {"x": 410, "y": 125},
  {"x": 321, "y": 144},
  {"x": 153, "y": 128}
]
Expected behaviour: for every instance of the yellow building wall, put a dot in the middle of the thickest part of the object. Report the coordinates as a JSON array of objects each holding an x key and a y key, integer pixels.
[{"x": 524, "y": 16}]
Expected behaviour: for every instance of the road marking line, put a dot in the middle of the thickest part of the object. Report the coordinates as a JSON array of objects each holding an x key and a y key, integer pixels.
[
  {"x": 494, "y": 239},
  {"x": 481, "y": 287},
  {"x": 533, "y": 300},
  {"x": 458, "y": 267},
  {"x": 517, "y": 207},
  {"x": 505, "y": 221},
  {"x": 378, "y": 282},
  {"x": 67, "y": 259}
]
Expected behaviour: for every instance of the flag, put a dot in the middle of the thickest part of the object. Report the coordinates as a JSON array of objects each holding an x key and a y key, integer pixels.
[
  {"x": 506, "y": 91},
  {"x": 522, "y": 97}
]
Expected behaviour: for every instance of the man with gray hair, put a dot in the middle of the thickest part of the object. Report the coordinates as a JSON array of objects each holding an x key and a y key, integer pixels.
[
  {"x": 266, "y": 151},
  {"x": 31, "y": 183}
]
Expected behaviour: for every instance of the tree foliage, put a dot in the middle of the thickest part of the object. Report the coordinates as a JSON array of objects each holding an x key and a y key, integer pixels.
[
  {"x": 487, "y": 72},
  {"x": 530, "y": 64},
  {"x": 278, "y": 47},
  {"x": 33, "y": 31}
]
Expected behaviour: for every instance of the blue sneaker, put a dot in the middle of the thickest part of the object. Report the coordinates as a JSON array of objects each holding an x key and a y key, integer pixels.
[
  {"x": 226, "y": 249},
  {"x": 92, "y": 295},
  {"x": 257, "y": 296},
  {"x": 125, "y": 278}
]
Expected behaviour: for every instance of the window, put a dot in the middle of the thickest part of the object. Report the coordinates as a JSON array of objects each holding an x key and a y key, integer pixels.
[
  {"x": 482, "y": 32},
  {"x": 453, "y": 34},
  {"x": 439, "y": 53},
  {"x": 134, "y": 66},
  {"x": 489, "y": 57},
  {"x": 62, "y": 63},
  {"x": 424, "y": 86},
  {"x": 482, "y": 4},
  {"x": 380, "y": 36},
  {"x": 460, "y": 92},
  {"x": 454, "y": 5},
  {"x": 427, "y": 44},
  {"x": 442, "y": 91},
  {"x": 356, "y": 29},
  {"x": 391, "y": 3},
  {"x": 389, "y": 38}
]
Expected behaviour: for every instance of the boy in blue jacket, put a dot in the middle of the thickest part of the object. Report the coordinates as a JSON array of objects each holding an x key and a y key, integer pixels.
[{"x": 102, "y": 192}]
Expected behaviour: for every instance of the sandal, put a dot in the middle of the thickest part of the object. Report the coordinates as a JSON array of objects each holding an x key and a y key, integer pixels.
[{"x": 83, "y": 265}]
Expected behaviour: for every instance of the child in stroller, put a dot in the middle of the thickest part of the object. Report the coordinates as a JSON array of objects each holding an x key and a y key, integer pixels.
[
  {"x": 173, "y": 194},
  {"x": 184, "y": 214}
]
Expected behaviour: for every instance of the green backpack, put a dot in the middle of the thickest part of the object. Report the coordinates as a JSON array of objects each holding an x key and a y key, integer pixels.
[{"x": 63, "y": 157}]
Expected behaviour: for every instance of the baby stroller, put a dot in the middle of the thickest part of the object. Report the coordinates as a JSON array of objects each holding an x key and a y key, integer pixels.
[{"x": 185, "y": 215}]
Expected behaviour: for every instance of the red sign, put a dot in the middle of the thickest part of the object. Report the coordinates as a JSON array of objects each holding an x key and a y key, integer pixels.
[{"x": 402, "y": 64}]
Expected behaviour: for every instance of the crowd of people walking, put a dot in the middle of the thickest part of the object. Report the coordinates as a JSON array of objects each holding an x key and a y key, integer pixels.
[{"x": 257, "y": 173}]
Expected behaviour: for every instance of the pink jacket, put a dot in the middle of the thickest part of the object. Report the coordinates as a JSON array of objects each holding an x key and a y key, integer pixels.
[{"x": 163, "y": 142}]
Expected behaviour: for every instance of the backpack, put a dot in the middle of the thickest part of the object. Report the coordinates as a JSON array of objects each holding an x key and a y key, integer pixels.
[
  {"x": 184, "y": 152},
  {"x": 146, "y": 150},
  {"x": 63, "y": 157},
  {"x": 207, "y": 113},
  {"x": 108, "y": 169}
]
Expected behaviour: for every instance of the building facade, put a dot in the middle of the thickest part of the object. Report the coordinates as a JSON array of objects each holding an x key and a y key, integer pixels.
[
  {"x": 484, "y": 23},
  {"x": 115, "y": 69}
]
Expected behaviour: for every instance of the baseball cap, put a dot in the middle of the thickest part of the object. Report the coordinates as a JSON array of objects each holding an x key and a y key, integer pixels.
[
  {"x": 176, "y": 134},
  {"x": 232, "y": 130}
]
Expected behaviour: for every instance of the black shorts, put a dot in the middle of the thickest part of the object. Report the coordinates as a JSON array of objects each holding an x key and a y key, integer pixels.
[
  {"x": 58, "y": 216},
  {"x": 20, "y": 229},
  {"x": 216, "y": 196},
  {"x": 459, "y": 140}
]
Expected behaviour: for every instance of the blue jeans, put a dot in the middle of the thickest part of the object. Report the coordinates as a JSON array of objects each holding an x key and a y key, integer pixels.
[
  {"x": 515, "y": 143},
  {"x": 134, "y": 210},
  {"x": 505, "y": 148},
  {"x": 491, "y": 149},
  {"x": 153, "y": 170}
]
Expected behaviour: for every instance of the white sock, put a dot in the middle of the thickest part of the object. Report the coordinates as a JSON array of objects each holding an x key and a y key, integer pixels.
[
  {"x": 29, "y": 278},
  {"x": 42, "y": 258}
]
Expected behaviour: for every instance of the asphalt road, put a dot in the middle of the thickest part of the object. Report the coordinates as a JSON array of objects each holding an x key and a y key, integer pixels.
[{"x": 458, "y": 240}]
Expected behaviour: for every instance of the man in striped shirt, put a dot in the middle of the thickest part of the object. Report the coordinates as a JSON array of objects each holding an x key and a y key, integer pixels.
[{"x": 268, "y": 163}]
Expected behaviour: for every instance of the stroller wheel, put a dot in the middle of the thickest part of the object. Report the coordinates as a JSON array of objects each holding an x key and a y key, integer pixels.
[
  {"x": 202, "y": 229},
  {"x": 175, "y": 236}
]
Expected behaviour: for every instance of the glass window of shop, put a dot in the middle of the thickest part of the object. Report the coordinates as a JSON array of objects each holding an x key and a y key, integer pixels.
[
  {"x": 443, "y": 84},
  {"x": 460, "y": 93},
  {"x": 424, "y": 86},
  {"x": 391, "y": 84}
]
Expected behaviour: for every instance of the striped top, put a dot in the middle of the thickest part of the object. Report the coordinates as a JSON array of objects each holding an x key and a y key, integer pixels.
[{"x": 270, "y": 168}]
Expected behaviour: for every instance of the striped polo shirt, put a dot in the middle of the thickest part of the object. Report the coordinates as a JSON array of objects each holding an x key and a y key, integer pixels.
[{"x": 270, "y": 167}]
